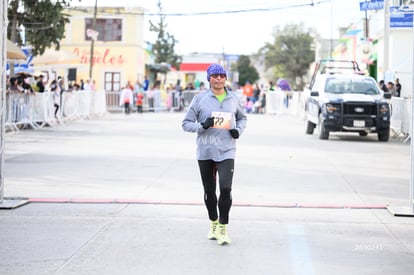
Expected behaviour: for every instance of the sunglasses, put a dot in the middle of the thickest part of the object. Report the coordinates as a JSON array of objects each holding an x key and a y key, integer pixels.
[{"x": 218, "y": 75}]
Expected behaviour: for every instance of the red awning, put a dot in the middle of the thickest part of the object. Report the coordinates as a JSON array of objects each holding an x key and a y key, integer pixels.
[{"x": 194, "y": 67}]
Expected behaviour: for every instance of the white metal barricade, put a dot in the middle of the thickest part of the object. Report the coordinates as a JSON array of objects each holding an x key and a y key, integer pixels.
[
  {"x": 275, "y": 102},
  {"x": 98, "y": 106},
  {"x": 38, "y": 109},
  {"x": 397, "y": 107},
  {"x": 84, "y": 103},
  {"x": 19, "y": 111},
  {"x": 401, "y": 117},
  {"x": 406, "y": 123},
  {"x": 69, "y": 105}
]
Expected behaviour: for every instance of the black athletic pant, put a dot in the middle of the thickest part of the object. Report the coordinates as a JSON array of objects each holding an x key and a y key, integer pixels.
[
  {"x": 209, "y": 170},
  {"x": 126, "y": 106}
]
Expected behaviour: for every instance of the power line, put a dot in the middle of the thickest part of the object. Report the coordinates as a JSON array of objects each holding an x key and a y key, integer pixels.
[
  {"x": 181, "y": 14},
  {"x": 238, "y": 11}
]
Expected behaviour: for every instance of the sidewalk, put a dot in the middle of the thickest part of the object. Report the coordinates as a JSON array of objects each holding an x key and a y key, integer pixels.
[{"x": 301, "y": 205}]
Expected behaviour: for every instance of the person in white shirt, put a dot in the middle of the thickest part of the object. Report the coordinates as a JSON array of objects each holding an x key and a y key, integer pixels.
[{"x": 126, "y": 98}]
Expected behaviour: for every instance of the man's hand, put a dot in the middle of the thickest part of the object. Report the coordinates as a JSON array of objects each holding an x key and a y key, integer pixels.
[
  {"x": 234, "y": 133},
  {"x": 208, "y": 123}
]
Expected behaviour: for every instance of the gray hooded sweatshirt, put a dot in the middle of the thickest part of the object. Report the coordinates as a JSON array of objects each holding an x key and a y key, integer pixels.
[{"x": 215, "y": 143}]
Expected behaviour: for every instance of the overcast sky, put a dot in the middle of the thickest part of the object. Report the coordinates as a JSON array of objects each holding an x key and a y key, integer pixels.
[{"x": 240, "y": 32}]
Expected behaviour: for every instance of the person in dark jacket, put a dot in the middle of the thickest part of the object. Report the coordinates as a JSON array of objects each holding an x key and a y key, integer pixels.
[{"x": 40, "y": 85}]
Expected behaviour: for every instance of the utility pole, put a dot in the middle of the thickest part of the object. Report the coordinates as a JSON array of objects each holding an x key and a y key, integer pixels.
[
  {"x": 331, "y": 45},
  {"x": 92, "y": 40},
  {"x": 386, "y": 37},
  {"x": 3, "y": 61},
  {"x": 366, "y": 25}
]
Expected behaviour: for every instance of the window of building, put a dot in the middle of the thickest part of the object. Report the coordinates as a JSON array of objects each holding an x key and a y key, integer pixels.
[
  {"x": 112, "y": 82},
  {"x": 109, "y": 29}
]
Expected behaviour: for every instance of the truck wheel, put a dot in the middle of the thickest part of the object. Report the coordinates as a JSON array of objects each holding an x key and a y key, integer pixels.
[
  {"x": 309, "y": 127},
  {"x": 323, "y": 133},
  {"x": 384, "y": 135}
]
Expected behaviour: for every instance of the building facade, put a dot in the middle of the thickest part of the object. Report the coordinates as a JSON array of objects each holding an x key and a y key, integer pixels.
[
  {"x": 118, "y": 54},
  {"x": 383, "y": 46},
  {"x": 193, "y": 68}
]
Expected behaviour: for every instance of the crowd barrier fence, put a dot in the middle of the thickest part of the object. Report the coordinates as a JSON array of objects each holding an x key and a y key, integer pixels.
[{"x": 37, "y": 110}]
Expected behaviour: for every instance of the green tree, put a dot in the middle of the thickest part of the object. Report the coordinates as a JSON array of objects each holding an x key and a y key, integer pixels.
[
  {"x": 291, "y": 53},
  {"x": 163, "y": 48},
  {"x": 43, "y": 22},
  {"x": 247, "y": 72}
]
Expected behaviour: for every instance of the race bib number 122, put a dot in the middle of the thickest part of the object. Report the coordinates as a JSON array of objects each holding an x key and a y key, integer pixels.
[{"x": 222, "y": 120}]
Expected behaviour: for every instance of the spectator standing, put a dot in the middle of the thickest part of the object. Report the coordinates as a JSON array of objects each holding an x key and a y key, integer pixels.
[
  {"x": 384, "y": 88},
  {"x": 197, "y": 84},
  {"x": 34, "y": 84},
  {"x": 145, "y": 84},
  {"x": 218, "y": 118},
  {"x": 256, "y": 93},
  {"x": 87, "y": 85},
  {"x": 26, "y": 84},
  {"x": 137, "y": 87},
  {"x": 390, "y": 87},
  {"x": 189, "y": 87},
  {"x": 126, "y": 99},
  {"x": 92, "y": 85},
  {"x": 202, "y": 86},
  {"x": 397, "y": 87},
  {"x": 139, "y": 101},
  {"x": 271, "y": 86},
  {"x": 55, "y": 89},
  {"x": 261, "y": 103},
  {"x": 150, "y": 97},
  {"x": 248, "y": 90},
  {"x": 248, "y": 105},
  {"x": 40, "y": 85}
]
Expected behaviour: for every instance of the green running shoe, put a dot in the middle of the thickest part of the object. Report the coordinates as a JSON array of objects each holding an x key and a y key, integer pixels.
[
  {"x": 212, "y": 235},
  {"x": 222, "y": 237}
]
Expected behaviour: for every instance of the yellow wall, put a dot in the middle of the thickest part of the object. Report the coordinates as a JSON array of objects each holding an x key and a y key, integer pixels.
[{"x": 126, "y": 57}]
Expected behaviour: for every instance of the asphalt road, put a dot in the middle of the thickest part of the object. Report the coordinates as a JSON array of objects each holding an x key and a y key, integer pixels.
[{"x": 122, "y": 195}]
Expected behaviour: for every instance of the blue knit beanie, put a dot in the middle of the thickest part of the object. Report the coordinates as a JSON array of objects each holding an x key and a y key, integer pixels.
[{"x": 215, "y": 69}]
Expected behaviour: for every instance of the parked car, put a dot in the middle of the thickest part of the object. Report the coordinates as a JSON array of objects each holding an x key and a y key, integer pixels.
[{"x": 347, "y": 102}]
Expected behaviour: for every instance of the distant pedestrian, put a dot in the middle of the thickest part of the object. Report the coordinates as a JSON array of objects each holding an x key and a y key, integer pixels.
[
  {"x": 248, "y": 105},
  {"x": 397, "y": 87},
  {"x": 126, "y": 99},
  {"x": 55, "y": 89},
  {"x": 384, "y": 88},
  {"x": 391, "y": 88},
  {"x": 40, "y": 85},
  {"x": 139, "y": 101},
  {"x": 87, "y": 85},
  {"x": 217, "y": 116},
  {"x": 145, "y": 84},
  {"x": 248, "y": 90}
]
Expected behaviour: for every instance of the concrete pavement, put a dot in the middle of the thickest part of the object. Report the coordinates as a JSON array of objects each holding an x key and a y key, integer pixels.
[{"x": 122, "y": 195}]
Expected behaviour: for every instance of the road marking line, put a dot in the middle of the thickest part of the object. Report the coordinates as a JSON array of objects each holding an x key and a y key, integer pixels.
[{"x": 299, "y": 251}]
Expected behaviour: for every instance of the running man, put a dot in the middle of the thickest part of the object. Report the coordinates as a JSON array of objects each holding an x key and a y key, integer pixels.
[{"x": 217, "y": 116}]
